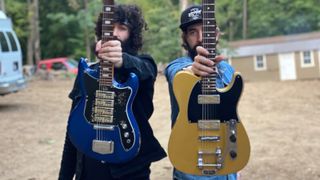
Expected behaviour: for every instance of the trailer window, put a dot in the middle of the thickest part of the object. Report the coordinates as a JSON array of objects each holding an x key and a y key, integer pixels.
[
  {"x": 12, "y": 41},
  {"x": 3, "y": 43}
]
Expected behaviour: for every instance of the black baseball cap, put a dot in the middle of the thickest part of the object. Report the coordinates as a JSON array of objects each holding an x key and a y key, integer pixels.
[{"x": 189, "y": 16}]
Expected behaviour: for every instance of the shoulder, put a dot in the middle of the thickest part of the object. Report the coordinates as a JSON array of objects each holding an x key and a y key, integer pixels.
[{"x": 184, "y": 59}]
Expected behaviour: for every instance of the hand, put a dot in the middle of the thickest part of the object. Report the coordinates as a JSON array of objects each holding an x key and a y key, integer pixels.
[
  {"x": 110, "y": 51},
  {"x": 203, "y": 66}
]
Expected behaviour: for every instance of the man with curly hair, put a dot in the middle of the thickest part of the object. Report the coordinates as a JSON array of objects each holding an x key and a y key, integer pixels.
[{"x": 123, "y": 53}]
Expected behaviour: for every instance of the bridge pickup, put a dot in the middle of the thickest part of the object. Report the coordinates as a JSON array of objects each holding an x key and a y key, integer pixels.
[
  {"x": 209, "y": 124},
  {"x": 104, "y": 127},
  {"x": 209, "y": 138},
  {"x": 102, "y": 147},
  {"x": 103, "y": 111},
  {"x": 102, "y": 119},
  {"x": 209, "y": 99}
]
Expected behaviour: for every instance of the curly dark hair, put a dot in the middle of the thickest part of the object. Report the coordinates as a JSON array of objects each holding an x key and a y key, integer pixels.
[{"x": 131, "y": 16}]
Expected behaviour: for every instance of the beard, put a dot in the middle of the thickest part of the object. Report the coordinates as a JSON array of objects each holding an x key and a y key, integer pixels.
[{"x": 192, "y": 52}]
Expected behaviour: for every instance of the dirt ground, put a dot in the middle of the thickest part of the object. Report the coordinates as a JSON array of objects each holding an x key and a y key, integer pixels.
[{"x": 281, "y": 119}]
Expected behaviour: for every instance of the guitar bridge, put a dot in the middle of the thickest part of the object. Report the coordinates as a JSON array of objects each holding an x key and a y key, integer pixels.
[{"x": 102, "y": 147}]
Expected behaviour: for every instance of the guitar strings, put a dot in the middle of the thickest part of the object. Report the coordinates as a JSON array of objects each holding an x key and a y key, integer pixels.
[{"x": 208, "y": 82}]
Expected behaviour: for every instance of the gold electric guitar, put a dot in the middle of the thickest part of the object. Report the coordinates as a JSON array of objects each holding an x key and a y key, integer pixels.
[{"x": 208, "y": 138}]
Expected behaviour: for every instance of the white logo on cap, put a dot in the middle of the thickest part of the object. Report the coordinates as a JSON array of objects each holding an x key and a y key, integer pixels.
[{"x": 194, "y": 13}]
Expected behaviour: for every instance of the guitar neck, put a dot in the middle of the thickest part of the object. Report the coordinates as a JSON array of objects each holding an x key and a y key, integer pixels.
[
  {"x": 107, "y": 68},
  {"x": 209, "y": 43}
]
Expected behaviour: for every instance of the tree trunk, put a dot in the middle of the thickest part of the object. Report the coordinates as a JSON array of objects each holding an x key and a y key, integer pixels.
[
  {"x": 231, "y": 31},
  {"x": 87, "y": 40},
  {"x": 2, "y": 6},
  {"x": 245, "y": 19},
  {"x": 30, "y": 48},
  {"x": 37, "y": 49},
  {"x": 183, "y": 4}
]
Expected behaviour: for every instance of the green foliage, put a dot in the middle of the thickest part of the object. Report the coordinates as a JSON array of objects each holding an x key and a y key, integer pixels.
[
  {"x": 281, "y": 17},
  {"x": 63, "y": 23},
  {"x": 162, "y": 39}
]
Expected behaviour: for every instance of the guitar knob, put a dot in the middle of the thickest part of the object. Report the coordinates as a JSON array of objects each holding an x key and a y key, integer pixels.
[
  {"x": 233, "y": 154},
  {"x": 128, "y": 141},
  {"x": 233, "y": 138},
  {"x": 126, "y": 134},
  {"x": 124, "y": 126}
]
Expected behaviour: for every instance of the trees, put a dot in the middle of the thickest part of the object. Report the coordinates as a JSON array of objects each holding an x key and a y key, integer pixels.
[{"x": 67, "y": 26}]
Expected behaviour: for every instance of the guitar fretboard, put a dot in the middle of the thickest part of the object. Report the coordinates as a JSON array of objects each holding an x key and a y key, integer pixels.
[
  {"x": 106, "y": 68},
  {"x": 209, "y": 43}
]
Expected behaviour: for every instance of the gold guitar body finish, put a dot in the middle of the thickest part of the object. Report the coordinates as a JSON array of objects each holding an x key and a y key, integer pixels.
[{"x": 184, "y": 144}]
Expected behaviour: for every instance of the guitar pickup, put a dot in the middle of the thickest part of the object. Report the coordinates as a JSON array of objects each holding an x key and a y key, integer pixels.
[
  {"x": 209, "y": 138},
  {"x": 208, "y": 124},
  {"x": 209, "y": 99}
]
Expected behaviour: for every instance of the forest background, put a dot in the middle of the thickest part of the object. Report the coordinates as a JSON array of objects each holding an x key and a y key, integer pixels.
[{"x": 57, "y": 28}]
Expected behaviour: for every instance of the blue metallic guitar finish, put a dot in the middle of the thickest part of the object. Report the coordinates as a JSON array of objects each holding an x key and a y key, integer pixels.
[{"x": 123, "y": 131}]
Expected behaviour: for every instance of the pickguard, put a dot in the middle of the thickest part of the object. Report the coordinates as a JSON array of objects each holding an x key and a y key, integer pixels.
[
  {"x": 224, "y": 111},
  {"x": 119, "y": 119}
]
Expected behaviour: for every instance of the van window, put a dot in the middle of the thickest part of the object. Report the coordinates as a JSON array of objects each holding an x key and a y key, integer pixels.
[
  {"x": 12, "y": 41},
  {"x": 4, "y": 43}
]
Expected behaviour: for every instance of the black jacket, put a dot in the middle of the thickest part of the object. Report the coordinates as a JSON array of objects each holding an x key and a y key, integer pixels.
[{"x": 74, "y": 162}]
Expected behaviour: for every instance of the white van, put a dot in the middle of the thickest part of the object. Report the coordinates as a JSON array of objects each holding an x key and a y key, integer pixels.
[{"x": 11, "y": 74}]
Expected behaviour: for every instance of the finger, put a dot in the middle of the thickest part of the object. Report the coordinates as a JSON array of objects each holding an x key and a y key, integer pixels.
[
  {"x": 203, "y": 60},
  {"x": 98, "y": 46},
  {"x": 109, "y": 49},
  {"x": 196, "y": 71},
  {"x": 219, "y": 59},
  {"x": 114, "y": 54},
  {"x": 202, "y": 51},
  {"x": 111, "y": 43},
  {"x": 203, "y": 68},
  {"x": 113, "y": 59}
]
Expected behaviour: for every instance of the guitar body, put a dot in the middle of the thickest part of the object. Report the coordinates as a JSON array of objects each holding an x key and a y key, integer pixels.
[
  {"x": 186, "y": 151},
  {"x": 115, "y": 141}
]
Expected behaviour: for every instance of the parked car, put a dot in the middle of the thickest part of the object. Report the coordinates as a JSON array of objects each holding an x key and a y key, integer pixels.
[
  {"x": 61, "y": 64},
  {"x": 11, "y": 73}
]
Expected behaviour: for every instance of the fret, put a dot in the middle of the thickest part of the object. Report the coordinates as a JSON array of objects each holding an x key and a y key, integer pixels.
[
  {"x": 208, "y": 25},
  {"x": 210, "y": 34},
  {"x": 213, "y": 38},
  {"x": 108, "y": 8},
  {"x": 211, "y": 55},
  {"x": 208, "y": 14},
  {"x": 208, "y": 83},
  {"x": 106, "y": 68}
]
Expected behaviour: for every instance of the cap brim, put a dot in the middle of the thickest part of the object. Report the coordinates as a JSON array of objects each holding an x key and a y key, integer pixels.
[{"x": 184, "y": 26}]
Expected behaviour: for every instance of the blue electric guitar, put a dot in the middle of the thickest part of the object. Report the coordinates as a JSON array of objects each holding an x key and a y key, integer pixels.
[{"x": 102, "y": 125}]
